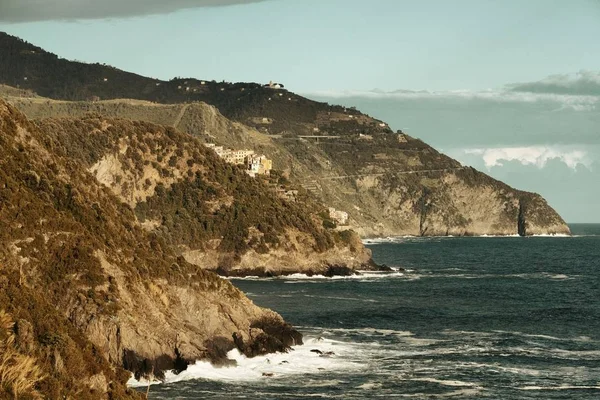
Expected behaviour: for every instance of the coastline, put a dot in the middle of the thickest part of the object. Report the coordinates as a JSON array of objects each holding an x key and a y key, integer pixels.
[{"x": 395, "y": 239}]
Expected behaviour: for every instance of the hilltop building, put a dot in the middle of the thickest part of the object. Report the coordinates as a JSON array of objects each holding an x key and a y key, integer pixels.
[
  {"x": 274, "y": 85},
  {"x": 255, "y": 164}
]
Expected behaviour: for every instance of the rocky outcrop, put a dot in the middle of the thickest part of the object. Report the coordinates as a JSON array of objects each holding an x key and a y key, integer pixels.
[{"x": 92, "y": 292}]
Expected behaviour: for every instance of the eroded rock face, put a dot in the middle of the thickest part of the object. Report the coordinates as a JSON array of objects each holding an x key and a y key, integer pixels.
[
  {"x": 92, "y": 291},
  {"x": 356, "y": 163},
  {"x": 390, "y": 187},
  {"x": 462, "y": 202}
]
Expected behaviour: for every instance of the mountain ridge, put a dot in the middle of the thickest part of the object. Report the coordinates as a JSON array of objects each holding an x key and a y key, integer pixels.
[{"x": 390, "y": 184}]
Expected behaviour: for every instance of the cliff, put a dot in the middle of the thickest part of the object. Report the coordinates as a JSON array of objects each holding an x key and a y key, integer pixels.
[
  {"x": 390, "y": 183},
  {"x": 86, "y": 293}
]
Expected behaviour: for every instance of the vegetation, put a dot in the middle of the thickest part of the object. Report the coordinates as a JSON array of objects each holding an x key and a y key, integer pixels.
[
  {"x": 54, "y": 219},
  {"x": 29, "y": 67},
  {"x": 213, "y": 200},
  {"x": 19, "y": 373}
]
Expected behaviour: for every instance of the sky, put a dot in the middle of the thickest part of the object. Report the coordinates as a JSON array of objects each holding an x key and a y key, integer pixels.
[{"x": 510, "y": 87}]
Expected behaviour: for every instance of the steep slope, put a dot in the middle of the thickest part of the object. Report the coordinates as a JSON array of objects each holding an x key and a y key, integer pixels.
[
  {"x": 389, "y": 183},
  {"x": 216, "y": 215},
  {"x": 91, "y": 292}
]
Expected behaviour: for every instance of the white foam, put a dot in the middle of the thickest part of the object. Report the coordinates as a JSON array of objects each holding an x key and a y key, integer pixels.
[
  {"x": 562, "y": 387},
  {"x": 369, "y": 386},
  {"x": 538, "y": 275},
  {"x": 363, "y": 276},
  {"x": 409, "y": 238},
  {"x": 548, "y": 337},
  {"x": 301, "y": 360},
  {"x": 360, "y": 299},
  {"x": 498, "y": 236},
  {"x": 460, "y": 394},
  {"x": 363, "y": 331},
  {"x": 453, "y": 383}
]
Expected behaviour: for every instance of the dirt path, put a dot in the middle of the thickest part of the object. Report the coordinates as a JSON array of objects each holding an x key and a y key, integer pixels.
[
  {"x": 180, "y": 116},
  {"x": 395, "y": 172}
]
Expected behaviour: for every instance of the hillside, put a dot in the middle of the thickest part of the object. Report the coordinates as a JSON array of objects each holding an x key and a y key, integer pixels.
[
  {"x": 86, "y": 293},
  {"x": 217, "y": 216},
  {"x": 29, "y": 67},
  {"x": 389, "y": 183}
]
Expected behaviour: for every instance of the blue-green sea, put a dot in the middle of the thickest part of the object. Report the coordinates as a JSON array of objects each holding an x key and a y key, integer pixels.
[{"x": 467, "y": 318}]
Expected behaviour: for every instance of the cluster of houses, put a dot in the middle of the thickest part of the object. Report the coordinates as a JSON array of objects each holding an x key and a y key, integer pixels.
[{"x": 255, "y": 164}]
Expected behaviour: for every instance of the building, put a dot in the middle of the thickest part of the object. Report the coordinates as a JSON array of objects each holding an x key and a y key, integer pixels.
[
  {"x": 258, "y": 165},
  {"x": 290, "y": 195},
  {"x": 274, "y": 85},
  {"x": 255, "y": 164},
  {"x": 239, "y": 156},
  {"x": 341, "y": 217}
]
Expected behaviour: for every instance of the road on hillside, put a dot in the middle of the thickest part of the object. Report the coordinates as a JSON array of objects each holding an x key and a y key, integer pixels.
[
  {"x": 397, "y": 172},
  {"x": 180, "y": 115}
]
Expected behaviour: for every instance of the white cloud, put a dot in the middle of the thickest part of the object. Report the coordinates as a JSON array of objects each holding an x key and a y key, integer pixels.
[
  {"x": 582, "y": 83},
  {"x": 577, "y": 92},
  {"x": 533, "y": 155},
  {"x": 46, "y": 10},
  {"x": 563, "y": 101}
]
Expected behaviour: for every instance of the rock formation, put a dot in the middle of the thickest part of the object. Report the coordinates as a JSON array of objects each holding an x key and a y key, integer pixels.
[{"x": 91, "y": 293}]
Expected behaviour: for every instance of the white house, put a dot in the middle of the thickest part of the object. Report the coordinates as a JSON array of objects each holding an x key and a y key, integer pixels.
[{"x": 274, "y": 85}]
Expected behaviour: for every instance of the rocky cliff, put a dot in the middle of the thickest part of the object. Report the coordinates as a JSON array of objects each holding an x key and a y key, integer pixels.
[
  {"x": 389, "y": 183},
  {"x": 86, "y": 293}
]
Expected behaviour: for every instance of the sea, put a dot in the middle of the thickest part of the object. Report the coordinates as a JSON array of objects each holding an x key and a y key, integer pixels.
[{"x": 460, "y": 317}]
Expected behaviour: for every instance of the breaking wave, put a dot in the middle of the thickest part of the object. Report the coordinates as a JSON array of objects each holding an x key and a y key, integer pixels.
[{"x": 316, "y": 356}]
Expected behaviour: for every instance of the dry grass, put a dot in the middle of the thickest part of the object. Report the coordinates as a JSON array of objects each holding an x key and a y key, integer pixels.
[{"x": 19, "y": 373}]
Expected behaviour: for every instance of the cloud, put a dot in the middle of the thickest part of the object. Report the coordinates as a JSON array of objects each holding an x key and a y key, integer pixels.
[
  {"x": 562, "y": 101},
  {"x": 583, "y": 83},
  {"x": 577, "y": 92},
  {"x": 533, "y": 155},
  {"x": 44, "y": 10}
]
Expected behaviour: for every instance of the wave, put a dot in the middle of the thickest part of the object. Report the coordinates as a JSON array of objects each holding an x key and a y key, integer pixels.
[
  {"x": 473, "y": 275},
  {"x": 409, "y": 239},
  {"x": 329, "y": 355},
  {"x": 562, "y": 387},
  {"x": 361, "y": 276},
  {"x": 341, "y": 298},
  {"x": 457, "y": 394},
  {"x": 445, "y": 382},
  {"x": 362, "y": 331},
  {"x": 547, "y": 337}
]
